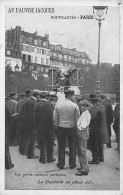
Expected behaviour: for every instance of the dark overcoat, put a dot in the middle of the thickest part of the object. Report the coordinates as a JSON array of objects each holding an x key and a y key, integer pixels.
[
  {"x": 44, "y": 119},
  {"x": 27, "y": 115},
  {"x": 109, "y": 112},
  {"x": 8, "y": 116},
  {"x": 98, "y": 126}
]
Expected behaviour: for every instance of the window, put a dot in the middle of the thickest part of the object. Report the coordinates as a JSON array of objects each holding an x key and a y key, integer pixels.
[
  {"x": 41, "y": 51},
  {"x": 44, "y": 44},
  {"x": 39, "y": 42},
  {"x": 47, "y": 61},
  {"x": 29, "y": 49},
  {"x": 26, "y": 48},
  {"x": 42, "y": 69},
  {"x": 32, "y": 59},
  {"x": 29, "y": 58},
  {"x": 35, "y": 59},
  {"x": 24, "y": 57},
  {"x": 35, "y": 42},
  {"x": 46, "y": 69},
  {"x": 33, "y": 49},
  {"x": 37, "y": 50},
  {"x": 42, "y": 60}
]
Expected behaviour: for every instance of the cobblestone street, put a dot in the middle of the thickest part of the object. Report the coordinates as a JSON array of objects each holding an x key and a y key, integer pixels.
[{"x": 31, "y": 174}]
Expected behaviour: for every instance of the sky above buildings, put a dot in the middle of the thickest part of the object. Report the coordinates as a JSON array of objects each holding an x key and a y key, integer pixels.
[{"x": 81, "y": 34}]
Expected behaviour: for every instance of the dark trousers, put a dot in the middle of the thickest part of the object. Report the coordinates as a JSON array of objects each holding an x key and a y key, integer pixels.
[
  {"x": 14, "y": 133},
  {"x": 97, "y": 152},
  {"x": 30, "y": 143},
  {"x": 8, "y": 162},
  {"x": 22, "y": 144},
  {"x": 109, "y": 133},
  {"x": 46, "y": 148},
  {"x": 62, "y": 135}
]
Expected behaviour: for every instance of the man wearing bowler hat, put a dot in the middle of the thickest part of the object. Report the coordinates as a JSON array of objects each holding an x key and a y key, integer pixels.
[
  {"x": 44, "y": 124},
  {"x": 66, "y": 115},
  {"x": 98, "y": 130}
]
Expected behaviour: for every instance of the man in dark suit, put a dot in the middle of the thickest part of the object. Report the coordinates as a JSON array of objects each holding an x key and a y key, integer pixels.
[
  {"x": 8, "y": 115},
  {"x": 13, "y": 126},
  {"x": 109, "y": 116},
  {"x": 98, "y": 130},
  {"x": 44, "y": 124},
  {"x": 22, "y": 132},
  {"x": 29, "y": 125}
]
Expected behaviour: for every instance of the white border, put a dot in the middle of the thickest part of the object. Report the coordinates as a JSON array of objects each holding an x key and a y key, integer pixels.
[{"x": 4, "y": 3}]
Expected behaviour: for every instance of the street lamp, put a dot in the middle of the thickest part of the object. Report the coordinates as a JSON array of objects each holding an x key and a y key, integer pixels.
[{"x": 99, "y": 14}]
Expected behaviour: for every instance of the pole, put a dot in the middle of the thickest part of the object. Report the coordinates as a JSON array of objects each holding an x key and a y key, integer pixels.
[
  {"x": 77, "y": 76},
  {"x": 98, "y": 90},
  {"x": 52, "y": 79}
]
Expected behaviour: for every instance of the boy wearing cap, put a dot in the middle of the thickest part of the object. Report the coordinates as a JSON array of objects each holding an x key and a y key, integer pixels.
[{"x": 82, "y": 137}]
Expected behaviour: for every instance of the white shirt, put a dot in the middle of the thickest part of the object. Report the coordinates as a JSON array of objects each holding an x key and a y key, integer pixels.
[{"x": 84, "y": 120}]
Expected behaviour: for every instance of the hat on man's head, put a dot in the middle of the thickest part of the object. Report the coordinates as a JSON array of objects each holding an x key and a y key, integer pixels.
[
  {"x": 85, "y": 102},
  {"x": 12, "y": 94},
  {"x": 94, "y": 96},
  {"x": 22, "y": 95},
  {"x": 69, "y": 92},
  {"x": 103, "y": 96},
  {"x": 53, "y": 96},
  {"x": 43, "y": 94}
]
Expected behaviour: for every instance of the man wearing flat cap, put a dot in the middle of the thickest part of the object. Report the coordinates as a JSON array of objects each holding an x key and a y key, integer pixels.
[
  {"x": 44, "y": 124},
  {"x": 98, "y": 130},
  {"x": 29, "y": 123},
  {"x": 66, "y": 114}
]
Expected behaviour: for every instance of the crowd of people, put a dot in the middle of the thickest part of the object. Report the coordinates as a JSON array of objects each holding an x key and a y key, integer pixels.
[{"x": 38, "y": 119}]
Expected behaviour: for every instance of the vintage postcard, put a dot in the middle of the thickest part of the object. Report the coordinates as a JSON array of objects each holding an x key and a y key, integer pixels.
[{"x": 49, "y": 51}]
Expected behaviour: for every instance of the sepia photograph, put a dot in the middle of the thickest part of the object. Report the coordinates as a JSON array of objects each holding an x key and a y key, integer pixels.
[{"x": 62, "y": 97}]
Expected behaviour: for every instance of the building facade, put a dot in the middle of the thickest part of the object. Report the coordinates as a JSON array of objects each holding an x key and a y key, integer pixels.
[{"x": 38, "y": 54}]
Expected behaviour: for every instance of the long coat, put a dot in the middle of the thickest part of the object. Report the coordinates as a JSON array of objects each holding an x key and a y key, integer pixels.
[
  {"x": 27, "y": 115},
  {"x": 8, "y": 116},
  {"x": 109, "y": 112},
  {"x": 44, "y": 119},
  {"x": 98, "y": 126}
]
